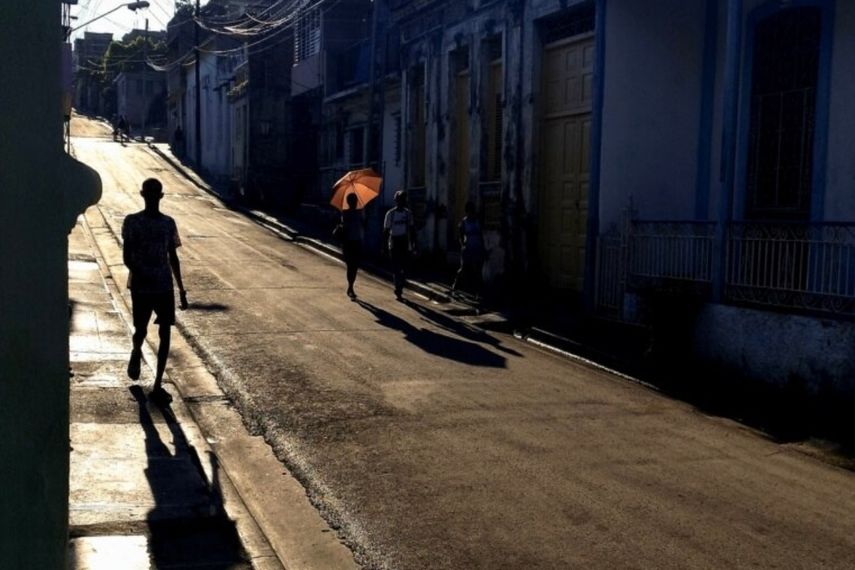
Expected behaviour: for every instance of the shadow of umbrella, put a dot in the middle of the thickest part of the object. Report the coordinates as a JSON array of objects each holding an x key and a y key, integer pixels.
[{"x": 438, "y": 344}]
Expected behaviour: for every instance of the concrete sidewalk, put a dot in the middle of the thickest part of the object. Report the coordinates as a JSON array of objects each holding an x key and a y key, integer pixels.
[{"x": 146, "y": 490}]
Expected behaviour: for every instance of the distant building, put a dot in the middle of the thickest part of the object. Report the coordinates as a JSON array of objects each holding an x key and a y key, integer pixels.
[
  {"x": 87, "y": 57},
  {"x": 216, "y": 113},
  {"x": 153, "y": 36},
  {"x": 141, "y": 97}
]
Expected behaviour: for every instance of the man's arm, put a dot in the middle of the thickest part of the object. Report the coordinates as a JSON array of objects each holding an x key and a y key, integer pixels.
[
  {"x": 387, "y": 229},
  {"x": 127, "y": 246},
  {"x": 176, "y": 271},
  {"x": 411, "y": 229}
]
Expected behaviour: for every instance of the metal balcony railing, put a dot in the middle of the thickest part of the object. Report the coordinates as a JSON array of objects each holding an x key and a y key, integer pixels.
[
  {"x": 791, "y": 266},
  {"x": 804, "y": 266},
  {"x": 671, "y": 254}
]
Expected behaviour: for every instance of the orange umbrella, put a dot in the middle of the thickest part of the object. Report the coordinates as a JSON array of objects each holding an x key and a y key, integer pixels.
[{"x": 364, "y": 183}]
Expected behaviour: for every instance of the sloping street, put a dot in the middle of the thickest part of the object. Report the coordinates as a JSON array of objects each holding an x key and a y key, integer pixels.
[{"x": 430, "y": 443}]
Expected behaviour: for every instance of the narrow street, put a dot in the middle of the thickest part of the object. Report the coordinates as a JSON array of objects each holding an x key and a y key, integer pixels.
[{"x": 428, "y": 443}]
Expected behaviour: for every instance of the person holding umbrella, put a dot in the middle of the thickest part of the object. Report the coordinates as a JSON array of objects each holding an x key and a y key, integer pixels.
[
  {"x": 353, "y": 225},
  {"x": 355, "y": 189}
]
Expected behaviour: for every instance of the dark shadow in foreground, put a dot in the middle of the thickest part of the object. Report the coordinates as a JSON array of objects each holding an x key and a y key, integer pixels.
[
  {"x": 208, "y": 307},
  {"x": 462, "y": 351},
  {"x": 188, "y": 526},
  {"x": 459, "y": 328}
]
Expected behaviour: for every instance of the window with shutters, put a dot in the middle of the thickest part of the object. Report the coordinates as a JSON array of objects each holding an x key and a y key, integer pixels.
[
  {"x": 493, "y": 113},
  {"x": 397, "y": 126},
  {"x": 308, "y": 35},
  {"x": 418, "y": 129}
]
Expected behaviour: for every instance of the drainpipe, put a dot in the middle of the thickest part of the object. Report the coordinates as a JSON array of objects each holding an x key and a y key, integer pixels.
[{"x": 727, "y": 173}]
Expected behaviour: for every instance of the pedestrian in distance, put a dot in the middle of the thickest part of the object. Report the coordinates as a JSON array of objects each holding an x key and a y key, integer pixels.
[
  {"x": 472, "y": 253},
  {"x": 123, "y": 129},
  {"x": 399, "y": 237},
  {"x": 353, "y": 232},
  {"x": 178, "y": 141},
  {"x": 115, "y": 122},
  {"x": 150, "y": 254}
]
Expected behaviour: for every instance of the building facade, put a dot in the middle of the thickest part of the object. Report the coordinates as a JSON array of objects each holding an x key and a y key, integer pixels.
[
  {"x": 141, "y": 99},
  {"x": 726, "y": 182},
  {"x": 87, "y": 58}
]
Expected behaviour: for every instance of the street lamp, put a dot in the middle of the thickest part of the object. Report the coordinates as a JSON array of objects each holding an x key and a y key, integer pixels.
[{"x": 132, "y": 6}]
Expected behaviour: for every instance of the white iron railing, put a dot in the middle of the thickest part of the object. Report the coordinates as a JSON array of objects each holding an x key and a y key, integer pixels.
[
  {"x": 805, "y": 266},
  {"x": 670, "y": 254}
]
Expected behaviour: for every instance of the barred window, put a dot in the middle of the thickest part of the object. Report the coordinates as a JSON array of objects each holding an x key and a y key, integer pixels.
[
  {"x": 783, "y": 107},
  {"x": 308, "y": 40}
]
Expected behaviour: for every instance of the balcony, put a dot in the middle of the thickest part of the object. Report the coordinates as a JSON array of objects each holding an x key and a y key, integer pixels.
[
  {"x": 796, "y": 266},
  {"x": 790, "y": 266},
  {"x": 671, "y": 255}
]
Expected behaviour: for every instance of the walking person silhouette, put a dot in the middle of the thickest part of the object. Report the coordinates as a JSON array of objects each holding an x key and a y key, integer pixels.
[
  {"x": 149, "y": 252},
  {"x": 472, "y": 253},
  {"x": 399, "y": 236},
  {"x": 352, "y": 222}
]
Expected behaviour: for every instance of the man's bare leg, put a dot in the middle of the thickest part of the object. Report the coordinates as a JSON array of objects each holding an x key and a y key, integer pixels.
[
  {"x": 162, "y": 355},
  {"x": 136, "y": 354}
]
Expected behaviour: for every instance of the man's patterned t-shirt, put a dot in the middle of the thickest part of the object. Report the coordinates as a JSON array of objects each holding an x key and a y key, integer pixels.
[{"x": 148, "y": 240}]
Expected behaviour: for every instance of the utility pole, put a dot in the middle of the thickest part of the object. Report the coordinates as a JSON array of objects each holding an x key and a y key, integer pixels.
[
  {"x": 198, "y": 93},
  {"x": 144, "y": 75}
]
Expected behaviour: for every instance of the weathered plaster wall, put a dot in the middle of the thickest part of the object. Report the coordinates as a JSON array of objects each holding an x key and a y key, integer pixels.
[
  {"x": 651, "y": 108},
  {"x": 840, "y": 180},
  {"x": 779, "y": 348}
]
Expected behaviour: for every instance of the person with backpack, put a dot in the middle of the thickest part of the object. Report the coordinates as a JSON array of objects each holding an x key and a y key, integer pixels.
[{"x": 399, "y": 237}]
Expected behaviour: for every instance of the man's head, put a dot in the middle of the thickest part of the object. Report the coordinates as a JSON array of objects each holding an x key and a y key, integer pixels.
[
  {"x": 400, "y": 198},
  {"x": 152, "y": 191},
  {"x": 470, "y": 209}
]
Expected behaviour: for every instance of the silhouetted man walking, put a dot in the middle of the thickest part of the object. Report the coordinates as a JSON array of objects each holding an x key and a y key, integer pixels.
[{"x": 150, "y": 244}]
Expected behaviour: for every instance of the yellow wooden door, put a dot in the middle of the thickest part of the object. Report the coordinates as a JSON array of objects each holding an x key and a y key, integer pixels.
[
  {"x": 461, "y": 150},
  {"x": 568, "y": 69}
]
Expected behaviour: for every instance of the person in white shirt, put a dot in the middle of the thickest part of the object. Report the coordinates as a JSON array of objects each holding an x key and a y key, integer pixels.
[{"x": 399, "y": 236}]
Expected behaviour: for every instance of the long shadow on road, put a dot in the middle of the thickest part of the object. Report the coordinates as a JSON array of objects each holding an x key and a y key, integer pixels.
[
  {"x": 460, "y": 329},
  {"x": 449, "y": 347},
  {"x": 188, "y": 526}
]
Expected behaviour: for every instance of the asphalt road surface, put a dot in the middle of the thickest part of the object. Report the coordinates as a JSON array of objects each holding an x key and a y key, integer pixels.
[{"x": 430, "y": 444}]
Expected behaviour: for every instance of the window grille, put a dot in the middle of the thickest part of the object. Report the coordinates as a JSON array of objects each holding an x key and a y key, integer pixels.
[
  {"x": 308, "y": 40},
  {"x": 397, "y": 121},
  {"x": 783, "y": 105}
]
